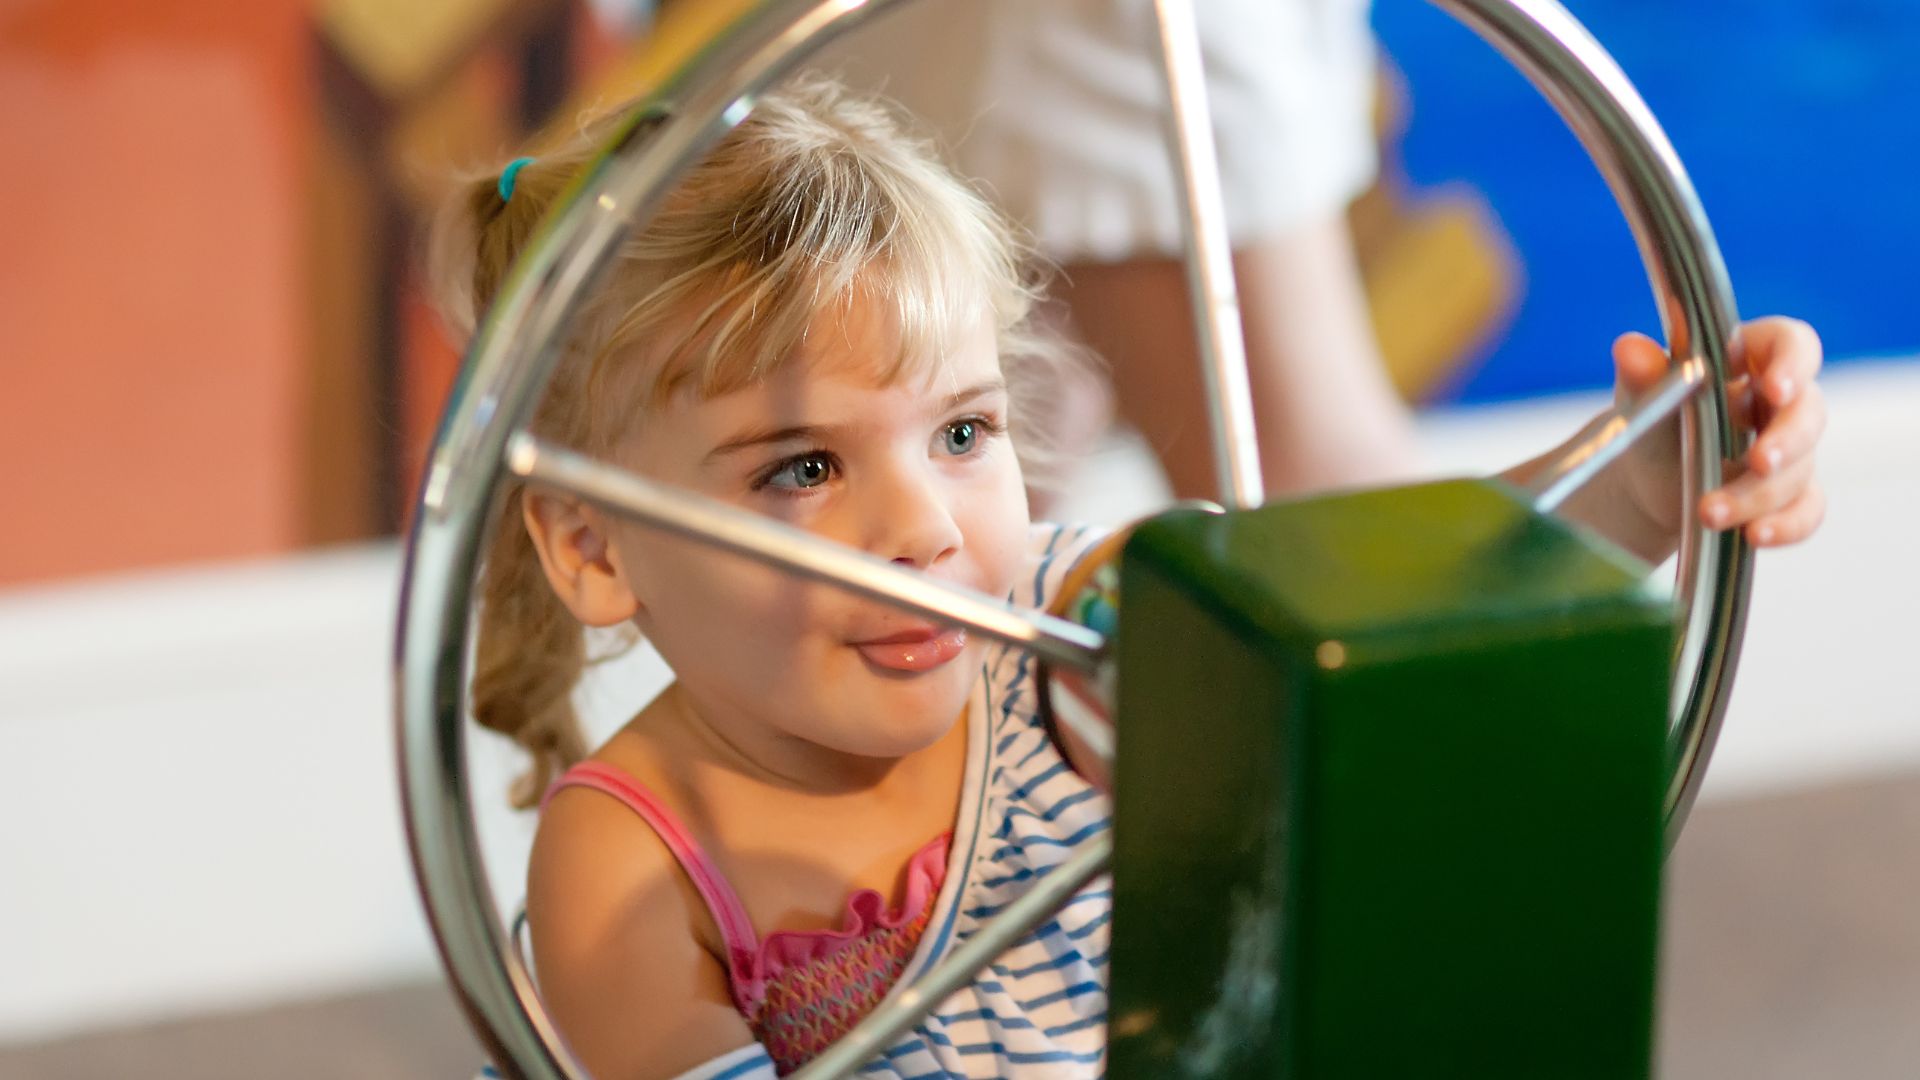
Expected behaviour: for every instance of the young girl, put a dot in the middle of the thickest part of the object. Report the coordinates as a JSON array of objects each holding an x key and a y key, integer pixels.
[{"x": 825, "y": 327}]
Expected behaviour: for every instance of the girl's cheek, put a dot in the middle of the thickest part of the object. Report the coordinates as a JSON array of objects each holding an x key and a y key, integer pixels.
[
  {"x": 678, "y": 572},
  {"x": 1004, "y": 536},
  {"x": 801, "y": 511},
  {"x": 731, "y": 605}
]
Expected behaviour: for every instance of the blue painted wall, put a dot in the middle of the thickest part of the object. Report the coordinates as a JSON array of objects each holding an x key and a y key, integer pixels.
[{"x": 1799, "y": 121}]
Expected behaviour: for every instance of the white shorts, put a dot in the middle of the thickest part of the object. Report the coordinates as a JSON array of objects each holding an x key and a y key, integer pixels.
[{"x": 1057, "y": 107}]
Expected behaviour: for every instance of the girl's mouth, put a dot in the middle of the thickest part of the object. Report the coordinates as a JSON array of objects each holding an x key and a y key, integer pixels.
[{"x": 917, "y": 649}]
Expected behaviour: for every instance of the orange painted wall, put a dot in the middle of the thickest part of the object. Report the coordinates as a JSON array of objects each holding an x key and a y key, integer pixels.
[{"x": 152, "y": 163}]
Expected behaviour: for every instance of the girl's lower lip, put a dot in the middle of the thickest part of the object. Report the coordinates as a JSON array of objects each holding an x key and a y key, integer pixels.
[{"x": 916, "y": 655}]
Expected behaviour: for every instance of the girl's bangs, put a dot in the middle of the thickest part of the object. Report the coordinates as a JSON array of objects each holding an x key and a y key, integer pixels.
[{"x": 760, "y": 321}]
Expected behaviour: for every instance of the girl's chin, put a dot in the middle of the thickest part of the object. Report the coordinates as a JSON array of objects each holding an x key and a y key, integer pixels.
[
  {"x": 902, "y": 719},
  {"x": 893, "y": 745}
]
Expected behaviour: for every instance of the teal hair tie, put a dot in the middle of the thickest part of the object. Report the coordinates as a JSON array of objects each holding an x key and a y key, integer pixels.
[{"x": 509, "y": 175}]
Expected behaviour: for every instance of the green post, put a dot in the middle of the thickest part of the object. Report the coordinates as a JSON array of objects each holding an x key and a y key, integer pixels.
[{"x": 1388, "y": 800}]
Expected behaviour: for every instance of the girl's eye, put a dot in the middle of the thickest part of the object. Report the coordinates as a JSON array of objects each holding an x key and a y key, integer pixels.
[
  {"x": 805, "y": 471},
  {"x": 962, "y": 437}
]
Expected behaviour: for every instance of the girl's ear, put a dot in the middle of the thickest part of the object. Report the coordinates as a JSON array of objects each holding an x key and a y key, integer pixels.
[{"x": 579, "y": 559}]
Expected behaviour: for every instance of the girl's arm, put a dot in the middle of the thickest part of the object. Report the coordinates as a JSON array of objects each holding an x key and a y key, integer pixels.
[
  {"x": 1603, "y": 507},
  {"x": 632, "y": 990}
]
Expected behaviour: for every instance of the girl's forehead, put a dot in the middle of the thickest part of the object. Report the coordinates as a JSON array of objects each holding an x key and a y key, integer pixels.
[
  {"x": 840, "y": 385},
  {"x": 861, "y": 340},
  {"x": 831, "y": 401},
  {"x": 866, "y": 344}
]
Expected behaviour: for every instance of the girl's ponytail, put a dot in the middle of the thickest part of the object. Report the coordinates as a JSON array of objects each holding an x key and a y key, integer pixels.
[{"x": 529, "y": 651}]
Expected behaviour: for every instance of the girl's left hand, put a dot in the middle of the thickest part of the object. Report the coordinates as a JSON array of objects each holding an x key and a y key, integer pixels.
[{"x": 1772, "y": 493}]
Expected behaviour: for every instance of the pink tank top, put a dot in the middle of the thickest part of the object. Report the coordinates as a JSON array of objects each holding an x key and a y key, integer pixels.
[{"x": 799, "y": 990}]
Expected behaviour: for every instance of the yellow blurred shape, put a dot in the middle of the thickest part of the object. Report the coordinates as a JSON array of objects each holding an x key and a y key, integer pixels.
[
  {"x": 1441, "y": 281},
  {"x": 399, "y": 47}
]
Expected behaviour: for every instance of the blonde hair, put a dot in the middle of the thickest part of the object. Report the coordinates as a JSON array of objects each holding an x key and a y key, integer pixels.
[{"x": 816, "y": 198}]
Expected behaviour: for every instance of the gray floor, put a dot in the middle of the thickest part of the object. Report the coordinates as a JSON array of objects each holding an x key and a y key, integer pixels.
[
  {"x": 1793, "y": 938},
  {"x": 1792, "y": 952}
]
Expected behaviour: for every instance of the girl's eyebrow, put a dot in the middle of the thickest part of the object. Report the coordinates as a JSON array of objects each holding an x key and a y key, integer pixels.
[
  {"x": 807, "y": 432},
  {"x": 814, "y": 432},
  {"x": 996, "y": 384}
]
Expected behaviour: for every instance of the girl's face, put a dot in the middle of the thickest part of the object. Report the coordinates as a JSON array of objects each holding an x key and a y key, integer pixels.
[{"x": 920, "y": 471}]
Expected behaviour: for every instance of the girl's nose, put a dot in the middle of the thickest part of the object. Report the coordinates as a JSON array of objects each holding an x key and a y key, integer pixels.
[{"x": 919, "y": 526}]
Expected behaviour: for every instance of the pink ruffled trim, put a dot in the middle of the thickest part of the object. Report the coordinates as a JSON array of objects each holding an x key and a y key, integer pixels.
[{"x": 866, "y": 913}]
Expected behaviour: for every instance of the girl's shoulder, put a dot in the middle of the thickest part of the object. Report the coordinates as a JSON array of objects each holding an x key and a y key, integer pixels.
[
  {"x": 602, "y": 850},
  {"x": 595, "y": 860},
  {"x": 602, "y": 889}
]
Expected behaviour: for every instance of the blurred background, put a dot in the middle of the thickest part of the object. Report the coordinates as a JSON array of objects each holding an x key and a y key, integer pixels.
[{"x": 221, "y": 374}]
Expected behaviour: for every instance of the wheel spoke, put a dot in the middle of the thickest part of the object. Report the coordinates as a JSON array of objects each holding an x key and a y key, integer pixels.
[{"x": 1607, "y": 441}]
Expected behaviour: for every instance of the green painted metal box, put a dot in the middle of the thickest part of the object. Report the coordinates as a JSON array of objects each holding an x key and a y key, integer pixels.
[{"x": 1389, "y": 793}]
